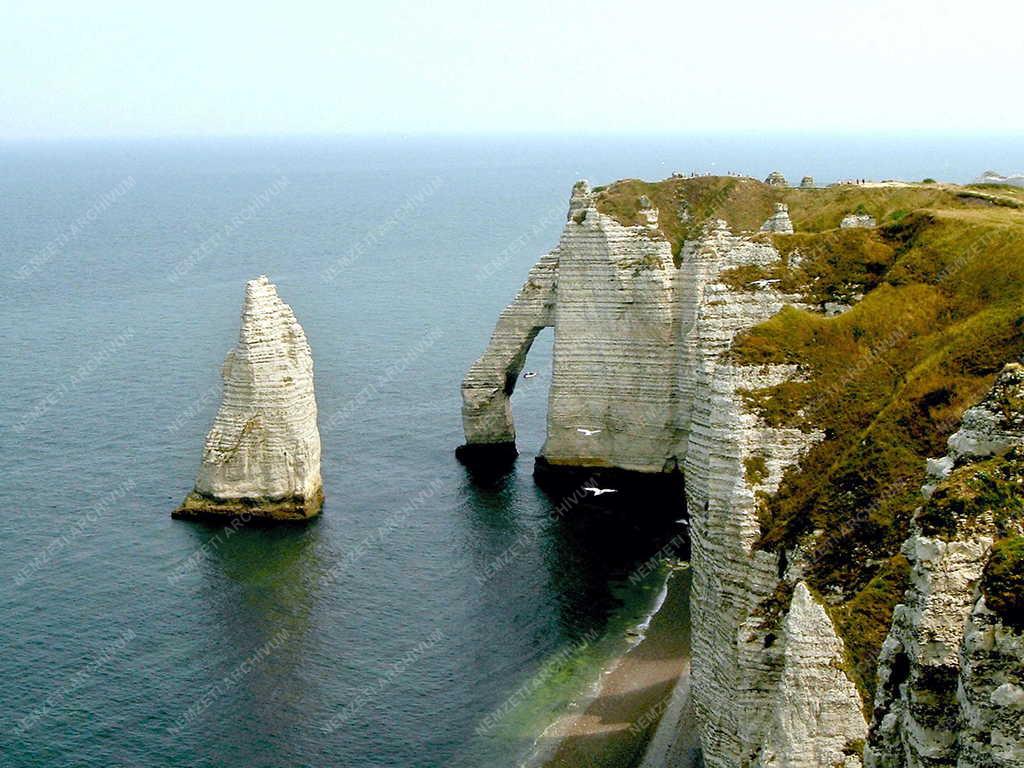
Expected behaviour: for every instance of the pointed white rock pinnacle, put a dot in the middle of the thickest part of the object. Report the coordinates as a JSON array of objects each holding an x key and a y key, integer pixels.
[{"x": 262, "y": 455}]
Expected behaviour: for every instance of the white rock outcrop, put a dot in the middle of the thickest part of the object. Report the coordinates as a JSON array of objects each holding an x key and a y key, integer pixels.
[
  {"x": 916, "y": 707},
  {"x": 988, "y": 428},
  {"x": 993, "y": 425},
  {"x": 779, "y": 221},
  {"x": 817, "y": 711},
  {"x": 262, "y": 455},
  {"x": 608, "y": 290},
  {"x": 858, "y": 221},
  {"x": 991, "y": 692}
]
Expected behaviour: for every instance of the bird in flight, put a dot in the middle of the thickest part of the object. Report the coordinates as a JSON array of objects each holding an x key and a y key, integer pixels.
[
  {"x": 587, "y": 432},
  {"x": 600, "y": 491}
]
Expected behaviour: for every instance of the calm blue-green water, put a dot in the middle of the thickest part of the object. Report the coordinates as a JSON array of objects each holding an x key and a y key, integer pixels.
[{"x": 388, "y": 631}]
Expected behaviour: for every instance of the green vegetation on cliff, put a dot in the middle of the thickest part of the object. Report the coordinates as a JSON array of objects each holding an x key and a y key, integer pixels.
[
  {"x": 686, "y": 204},
  {"x": 987, "y": 497},
  {"x": 863, "y": 622},
  {"x": 840, "y": 265},
  {"x": 989, "y": 493},
  {"x": 886, "y": 383},
  {"x": 1003, "y": 581}
]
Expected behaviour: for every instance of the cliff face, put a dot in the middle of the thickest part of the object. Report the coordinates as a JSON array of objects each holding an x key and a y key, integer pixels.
[
  {"x": 991, "y": 691},
  {"x": 687, "y": 339},
  {"x": 262, "y": 455},
  {"x": 947, "y": 655},
  {"x": 615, "y": 345},
  {"x": 816, "y": 709},
  {"x": 731, "y": 456}
]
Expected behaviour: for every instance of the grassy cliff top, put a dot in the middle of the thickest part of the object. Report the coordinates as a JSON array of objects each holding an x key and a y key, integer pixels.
[
  {"x": 685, "y": 204},
  {"x": 937, "y": 295}
]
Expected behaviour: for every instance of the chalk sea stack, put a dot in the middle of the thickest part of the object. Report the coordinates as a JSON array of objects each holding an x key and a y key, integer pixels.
[{"x": 262, "y": 455}]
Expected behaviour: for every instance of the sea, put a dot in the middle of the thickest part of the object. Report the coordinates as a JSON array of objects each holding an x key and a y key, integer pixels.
[{"x": 431, "y": 616}]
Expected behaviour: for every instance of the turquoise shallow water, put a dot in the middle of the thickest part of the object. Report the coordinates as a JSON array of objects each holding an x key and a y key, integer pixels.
[{"x": 381, "y": 634}]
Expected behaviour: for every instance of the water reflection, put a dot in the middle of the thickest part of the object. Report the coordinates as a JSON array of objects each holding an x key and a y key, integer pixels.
[
  {"x": 588, "y": 547},
  {"x": 260, "y": 588}
]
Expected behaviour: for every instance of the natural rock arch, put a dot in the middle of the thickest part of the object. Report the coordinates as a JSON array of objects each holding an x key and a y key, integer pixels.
[
  {"x": 608, "y": 290},
  {"x": 488, "y": 386}
]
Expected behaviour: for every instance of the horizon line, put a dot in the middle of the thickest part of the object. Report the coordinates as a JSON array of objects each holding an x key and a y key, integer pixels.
[{"x": 703, "y": 133}]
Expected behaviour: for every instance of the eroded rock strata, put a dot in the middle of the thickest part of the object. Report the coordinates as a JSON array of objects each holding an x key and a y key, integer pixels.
[
  {"x": 686, "y": 340},
  {"x": 262, "y": 455}
]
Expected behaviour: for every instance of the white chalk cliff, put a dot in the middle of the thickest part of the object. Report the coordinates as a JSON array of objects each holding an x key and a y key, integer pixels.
[
  {"x": 608, "y": 291},
  {"x": 646, "y": 379},
  {"x": 262, "y": 455},
  {"x": 816, "y": 713},
  {"x": 990, "y": 692},
  {"x": 641, "y": 353}
]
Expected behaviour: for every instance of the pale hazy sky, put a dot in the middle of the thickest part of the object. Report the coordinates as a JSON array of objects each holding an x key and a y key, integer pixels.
[{"x": 297, "y": 67}]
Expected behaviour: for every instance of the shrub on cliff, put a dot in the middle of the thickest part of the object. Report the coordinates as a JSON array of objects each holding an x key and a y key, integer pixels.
[{"x": 1003, "y": 581}]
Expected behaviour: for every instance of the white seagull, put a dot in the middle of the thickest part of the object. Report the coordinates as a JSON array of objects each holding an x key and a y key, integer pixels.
[
  {"x": 587, "y": 432},
  {"x": 600, "y": 491}
]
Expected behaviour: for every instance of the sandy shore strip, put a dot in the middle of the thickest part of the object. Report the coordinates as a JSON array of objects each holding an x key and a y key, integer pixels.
[{"x": 617, "y": 725}]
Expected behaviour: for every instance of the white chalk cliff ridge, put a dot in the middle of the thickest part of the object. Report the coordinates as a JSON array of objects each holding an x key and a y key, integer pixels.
[
  {"x": 262, "y": 455},
  {"x": 641, "y": 353}
]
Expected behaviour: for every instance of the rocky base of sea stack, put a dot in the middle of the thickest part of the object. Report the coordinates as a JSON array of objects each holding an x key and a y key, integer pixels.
[
  {"x": 486, "y": 455},
  {"x": 198, "y": 506}
]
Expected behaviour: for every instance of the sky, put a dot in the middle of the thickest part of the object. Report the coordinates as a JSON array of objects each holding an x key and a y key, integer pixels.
[{"x": 139, "y": 69}]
